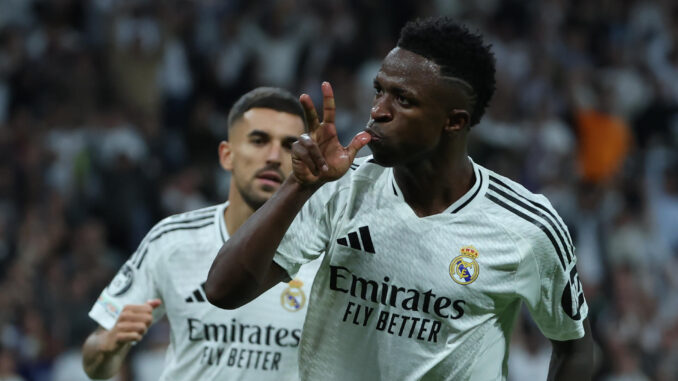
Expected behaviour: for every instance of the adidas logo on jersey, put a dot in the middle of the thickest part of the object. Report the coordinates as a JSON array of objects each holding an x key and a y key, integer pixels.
[
  {"x": 360, "y": 240},
  {"x": 198, "y": 295}
]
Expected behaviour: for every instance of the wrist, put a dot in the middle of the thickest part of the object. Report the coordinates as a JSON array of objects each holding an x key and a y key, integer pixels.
[
  {"x": 303, "y": 187},
  {"x": 108, "y": 344}
]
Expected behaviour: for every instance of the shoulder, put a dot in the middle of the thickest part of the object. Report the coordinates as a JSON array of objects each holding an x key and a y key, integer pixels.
[
  {"x": 528, "y": 215},
  {"x": 188, "y": 221},
  {"x": 179, "y": 230}
]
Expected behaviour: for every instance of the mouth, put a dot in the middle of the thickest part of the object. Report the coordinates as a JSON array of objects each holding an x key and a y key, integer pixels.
[
  {"x": 374, "y": 133},
  {"x": 270, "y": 177}
]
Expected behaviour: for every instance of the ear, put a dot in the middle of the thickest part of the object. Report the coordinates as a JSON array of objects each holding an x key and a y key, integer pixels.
[
  {"x": 457, "y": 120},
  {"x": 225, "y": 155}
]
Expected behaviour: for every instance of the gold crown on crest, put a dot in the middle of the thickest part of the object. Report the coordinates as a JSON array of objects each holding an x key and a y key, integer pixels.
[
  {"x": 469, "y": 251},
  {"x": 295, "y": 283}
]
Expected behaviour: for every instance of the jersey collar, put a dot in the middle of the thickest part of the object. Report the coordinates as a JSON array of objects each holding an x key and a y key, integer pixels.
[
  {"x": 220, "y": 221},
  {"x": 475, "y": 193}
]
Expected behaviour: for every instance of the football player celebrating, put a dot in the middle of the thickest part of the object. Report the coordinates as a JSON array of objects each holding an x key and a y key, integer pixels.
[
  {"x": 166, "y": 275},
  {"x": 428, "y": 255}
]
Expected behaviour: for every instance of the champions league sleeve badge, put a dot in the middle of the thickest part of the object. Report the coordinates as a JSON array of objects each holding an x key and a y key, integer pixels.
[
  {"x": 464, "y": 269},
  {"x": 122, "y": 281},
  {"x": 293, "y": 298}
]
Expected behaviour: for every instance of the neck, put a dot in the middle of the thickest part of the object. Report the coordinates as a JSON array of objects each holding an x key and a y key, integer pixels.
[
  {"x": 430, "y": 186},
  {"x": 237, "y": 212}
]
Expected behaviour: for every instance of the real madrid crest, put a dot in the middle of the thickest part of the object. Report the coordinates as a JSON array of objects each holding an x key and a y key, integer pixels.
[
  {"x": 293, "y": 297},
  {"x": 464, "y": 269}
]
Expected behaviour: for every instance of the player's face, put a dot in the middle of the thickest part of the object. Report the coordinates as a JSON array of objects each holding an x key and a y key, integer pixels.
[
  {"x": 258, "y": 152},
  {"x": 410, "y": 109}
]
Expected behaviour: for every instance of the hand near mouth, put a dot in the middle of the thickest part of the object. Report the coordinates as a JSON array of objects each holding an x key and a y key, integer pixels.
[{"x": 318, "y": 156}]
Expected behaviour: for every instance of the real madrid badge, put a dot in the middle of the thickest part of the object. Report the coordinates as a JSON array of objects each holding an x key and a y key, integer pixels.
[
  {"x": 464, "y": 269},
  {"x": 293, "y": 297}
]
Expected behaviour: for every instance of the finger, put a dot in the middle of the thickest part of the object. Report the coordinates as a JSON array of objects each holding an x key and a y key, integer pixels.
[
  {"x": 137, "y": 308},
  {"x": 314, "y": 152},
  {"x": 300, "y": 152},
  {"x": 127, "y": 337},
  {"x": 145, "y": 317},
  {"x": 154, "y": 303},
  {"x": 137, "y": 327},
  {"x": 329, "y": 107},
  {"x": 309, "y": 112},
  {"x": 359, "y": 141}
]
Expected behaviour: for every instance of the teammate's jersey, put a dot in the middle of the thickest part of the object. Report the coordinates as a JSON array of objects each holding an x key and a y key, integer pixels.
[
  {"x": 256, "y": 342},
  {"x": 402, "y": 297}
]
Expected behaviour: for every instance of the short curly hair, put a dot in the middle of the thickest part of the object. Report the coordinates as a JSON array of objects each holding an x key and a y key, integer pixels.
[{"x": 458, "y": 52}]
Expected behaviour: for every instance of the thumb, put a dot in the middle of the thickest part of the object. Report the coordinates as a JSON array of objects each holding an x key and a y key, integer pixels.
[
  {"x": 154, "y": 303},
  {"x": 359, "y": 141}
]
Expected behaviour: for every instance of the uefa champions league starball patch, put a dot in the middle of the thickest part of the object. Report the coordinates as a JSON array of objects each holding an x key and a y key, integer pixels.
[
  {"x": 293, "y": 298},
  {"x": 464, "y": 269}
]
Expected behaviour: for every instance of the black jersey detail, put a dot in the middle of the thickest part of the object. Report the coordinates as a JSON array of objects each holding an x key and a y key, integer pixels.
[
  {"x": 367, "y": 240},
  {"x": 354, "y": 240},
  {"x": 479, "y": 182},
  {"x": 197, "y": 295},
  {"x": 532, "y": 220},
  {"x": 170, "y": 222},
  {"x": 538, "y": 205},
  {"x": 360, "y": 240},
  {"x": 548, "y": 217},
  {"x": 181, "y": 227},
  {"x": 169, "y": 230}
]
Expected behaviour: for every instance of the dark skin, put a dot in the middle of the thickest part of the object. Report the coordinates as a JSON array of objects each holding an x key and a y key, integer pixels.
[{"x": 419, "y": 126}]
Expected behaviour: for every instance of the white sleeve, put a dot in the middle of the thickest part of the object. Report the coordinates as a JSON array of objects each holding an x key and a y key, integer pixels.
[
  {"x": 309, "y": 234},
  {"x": 135, "y": 283},
  {"x": 552, "y": 290}
]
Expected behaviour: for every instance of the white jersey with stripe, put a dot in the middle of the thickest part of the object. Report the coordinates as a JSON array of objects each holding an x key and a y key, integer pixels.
[
  {"x": 259, "y": 341},
  {"x": 402, "y": 297}
]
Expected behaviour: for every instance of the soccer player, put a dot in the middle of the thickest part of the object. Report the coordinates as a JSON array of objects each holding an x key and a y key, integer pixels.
[
  {"x": 428, "y": 255},
  {"x": 166, "y": 275}
]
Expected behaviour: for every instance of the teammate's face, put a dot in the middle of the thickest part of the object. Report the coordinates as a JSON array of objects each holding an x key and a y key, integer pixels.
[
  {"x": 410, "y": 110},
  {"x": 258, "y": 152}
]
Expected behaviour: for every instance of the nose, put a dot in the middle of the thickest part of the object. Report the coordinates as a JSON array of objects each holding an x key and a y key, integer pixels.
[
  {"x": 380, "y": 111},
  {"x": 274, "y": 154}
]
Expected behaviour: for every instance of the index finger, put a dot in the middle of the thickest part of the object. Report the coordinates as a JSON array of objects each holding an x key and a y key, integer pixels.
[
  {"x": 309, "y": 112},
  {"x": 329, "y": 106}
]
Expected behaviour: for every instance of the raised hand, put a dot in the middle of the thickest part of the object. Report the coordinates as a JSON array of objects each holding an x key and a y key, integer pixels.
[
  {"x": 319, "y": 157},
  {"x": 132, "y": 324}
]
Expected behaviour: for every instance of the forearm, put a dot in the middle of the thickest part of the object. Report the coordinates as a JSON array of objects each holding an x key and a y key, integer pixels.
[
  {"x": 100, "y": 362},
  {"x": 242, "y": 265},
  {"x": 573, "y": 360}
]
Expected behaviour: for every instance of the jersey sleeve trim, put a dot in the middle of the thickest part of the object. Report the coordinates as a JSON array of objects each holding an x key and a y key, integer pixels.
[
  {"x": 536, "y": 218},
  {"x": 545, "y": 212}
]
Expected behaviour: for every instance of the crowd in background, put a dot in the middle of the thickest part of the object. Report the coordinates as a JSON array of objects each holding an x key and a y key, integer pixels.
[{"x": 111, "y": 112}]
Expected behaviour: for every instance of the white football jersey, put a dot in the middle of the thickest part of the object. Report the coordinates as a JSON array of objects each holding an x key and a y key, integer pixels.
[
  {"x": 402, "y": 297},
  {"x": 259, "y": 341}
]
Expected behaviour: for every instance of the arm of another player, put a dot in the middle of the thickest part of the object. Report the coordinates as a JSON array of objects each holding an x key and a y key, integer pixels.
[
  {"x": 572, "y": 359},
  {"x": 104, "y": 350},
  {"x": 244, "y": 267}
]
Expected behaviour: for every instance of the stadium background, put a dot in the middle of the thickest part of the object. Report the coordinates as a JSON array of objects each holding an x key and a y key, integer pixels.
[{"x": 111, "y": 112}]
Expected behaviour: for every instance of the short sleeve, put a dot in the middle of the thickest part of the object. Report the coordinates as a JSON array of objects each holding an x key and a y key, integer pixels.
[
  {"x": 308, "y": 235},
  {"x": 135, "y": 283},
  {"x": 548, "y": 283}
]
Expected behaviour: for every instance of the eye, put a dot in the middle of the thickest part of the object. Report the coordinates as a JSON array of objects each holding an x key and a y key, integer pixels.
[
  {"x": 257, "y": 140},
  {"x": 287, "y": 144},
  {"x": 403, "y": 101},
  {"x": 377, "y": 91}
]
